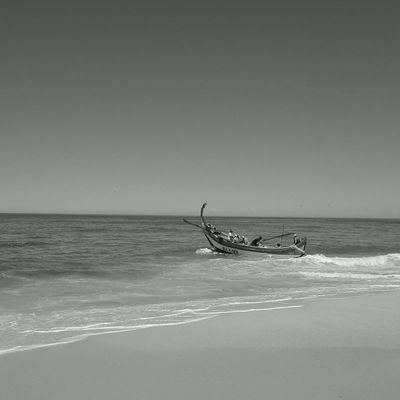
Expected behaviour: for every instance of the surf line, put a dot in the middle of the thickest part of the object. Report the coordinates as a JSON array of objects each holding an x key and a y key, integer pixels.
[{"x": 248, "y": 310}]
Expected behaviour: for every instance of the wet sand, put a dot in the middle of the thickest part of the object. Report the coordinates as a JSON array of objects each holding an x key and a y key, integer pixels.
[{"x": 334, "y": 348}]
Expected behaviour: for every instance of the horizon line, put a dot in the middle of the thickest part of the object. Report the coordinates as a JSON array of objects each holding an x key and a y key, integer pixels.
[{"x": 127, "y": 214}]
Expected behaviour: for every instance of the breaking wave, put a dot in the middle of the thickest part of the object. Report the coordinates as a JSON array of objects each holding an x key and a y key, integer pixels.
[
  {"x": 372, "y": 261},
  {"x": 372, "y": 269}
]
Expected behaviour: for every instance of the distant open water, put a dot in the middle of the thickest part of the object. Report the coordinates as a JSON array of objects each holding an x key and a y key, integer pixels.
[{"x": 63, "y": 278}]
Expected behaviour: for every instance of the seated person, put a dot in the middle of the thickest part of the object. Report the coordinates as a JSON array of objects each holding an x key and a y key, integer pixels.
[
  {"x": 296, "y": 239},
  {"x": 213, "y": 229},
  {"x": 243, "y": 240},
  {"x": 256, "y": 241}
]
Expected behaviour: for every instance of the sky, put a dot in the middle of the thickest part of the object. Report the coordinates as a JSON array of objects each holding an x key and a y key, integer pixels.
[{"x": 272, "y": 108}]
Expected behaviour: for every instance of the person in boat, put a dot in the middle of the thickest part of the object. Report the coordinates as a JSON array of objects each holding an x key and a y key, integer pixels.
[
  {"x": 296, "y": 240},
  {"x": 243, "y": 240},
  {"x": 213, "y": 229},
  {"x": 238, "y": 239},
  {"x": 256, "y": 241},
  {"x": 230, "y": 235}
]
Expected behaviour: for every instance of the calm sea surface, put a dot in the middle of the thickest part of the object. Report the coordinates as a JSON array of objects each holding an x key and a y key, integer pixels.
[{"x": 63, "y": 278}]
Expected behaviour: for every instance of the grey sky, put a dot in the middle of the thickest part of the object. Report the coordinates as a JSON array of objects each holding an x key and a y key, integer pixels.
[{"x": 261, "y": 108}]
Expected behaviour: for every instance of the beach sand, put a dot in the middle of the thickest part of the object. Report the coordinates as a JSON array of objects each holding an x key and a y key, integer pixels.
[{"x": 333, "y": 348}]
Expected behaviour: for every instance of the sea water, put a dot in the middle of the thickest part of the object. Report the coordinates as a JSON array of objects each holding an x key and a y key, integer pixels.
[{"x": 66, "y": 277}]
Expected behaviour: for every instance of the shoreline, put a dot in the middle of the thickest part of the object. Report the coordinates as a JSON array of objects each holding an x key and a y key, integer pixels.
[
  {"x": 207, "y": 316},
  {"x": 336, "y": 347},
  {"x": 287, "y": 303}
]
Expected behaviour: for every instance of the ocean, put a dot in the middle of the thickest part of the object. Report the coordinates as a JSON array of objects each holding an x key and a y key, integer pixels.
[{"x": 66, "y": 277}]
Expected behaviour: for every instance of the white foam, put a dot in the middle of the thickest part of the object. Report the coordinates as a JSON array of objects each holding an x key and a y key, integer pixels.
[
  {"x": 118, "y": 328},
  {"x": 205, "y": 251},
  {"x": 348, "y": 275},
  {"x": 85, "y": 331},
  {"x": 372, "y": 261},
  {"x": 337, "y": 275},
  {"x": 258, "y": 301},
  {"x": 113, "y": 329},
  {"x": 251, "y": 310}
]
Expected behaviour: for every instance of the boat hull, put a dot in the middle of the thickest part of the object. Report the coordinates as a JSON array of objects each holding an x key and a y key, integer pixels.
[{"x": 226, "y": 246}]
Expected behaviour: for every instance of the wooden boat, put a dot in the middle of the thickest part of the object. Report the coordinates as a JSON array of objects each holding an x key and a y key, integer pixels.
[{"x": 222, "y": 242}]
